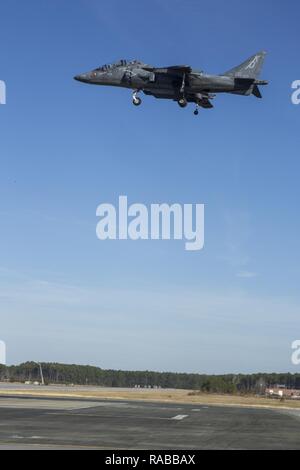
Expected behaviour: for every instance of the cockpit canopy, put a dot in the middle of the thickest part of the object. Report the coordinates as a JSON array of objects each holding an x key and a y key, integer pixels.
[{"x": 119, "y": 63}]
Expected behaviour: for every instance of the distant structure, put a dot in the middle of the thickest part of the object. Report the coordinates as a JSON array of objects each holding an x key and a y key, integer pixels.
[
  {"x": 281, "y": 391},
  {"x": 42, "y": 375}
]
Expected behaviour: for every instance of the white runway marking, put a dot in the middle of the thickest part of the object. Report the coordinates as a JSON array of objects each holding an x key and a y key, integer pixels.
[
  {"x": 29, "y": 437},
  {"x": 179, "y": 417}
]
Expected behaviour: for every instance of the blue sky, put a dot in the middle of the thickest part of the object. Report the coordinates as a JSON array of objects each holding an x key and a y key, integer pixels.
[{"x": 66, "y": 148}]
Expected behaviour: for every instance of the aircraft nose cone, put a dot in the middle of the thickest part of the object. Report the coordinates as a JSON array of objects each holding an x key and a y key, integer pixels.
[{"x": 81, "y": 78}]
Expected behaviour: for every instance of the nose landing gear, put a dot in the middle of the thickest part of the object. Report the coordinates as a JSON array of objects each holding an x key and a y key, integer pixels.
[
  {"x": 136, "y": 100},
  {"x": 182, "y": 102},
  {"x": 196, "y": 112}
]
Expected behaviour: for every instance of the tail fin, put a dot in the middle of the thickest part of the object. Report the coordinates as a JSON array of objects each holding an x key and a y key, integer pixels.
[{"x": 251, "y": 68}]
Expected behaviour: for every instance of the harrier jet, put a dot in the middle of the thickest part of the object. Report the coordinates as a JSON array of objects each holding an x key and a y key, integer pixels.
[{"x": 179, "y": 83}]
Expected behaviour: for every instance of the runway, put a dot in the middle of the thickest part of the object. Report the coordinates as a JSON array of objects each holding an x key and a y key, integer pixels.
[{"x": 41, "y": 423}]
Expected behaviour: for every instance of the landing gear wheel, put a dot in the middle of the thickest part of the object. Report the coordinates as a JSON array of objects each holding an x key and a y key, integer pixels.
[
  {"x": 182, "y": 102},
  {"x": 196, "y": 112},
  {"x": 136, "y": 101}
]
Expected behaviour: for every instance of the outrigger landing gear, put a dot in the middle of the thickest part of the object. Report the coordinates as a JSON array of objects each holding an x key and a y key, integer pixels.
[{"x": 136, "y": 100}]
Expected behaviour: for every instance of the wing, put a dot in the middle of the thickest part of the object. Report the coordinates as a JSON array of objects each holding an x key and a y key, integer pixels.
[{"x": 174, "y": 69}]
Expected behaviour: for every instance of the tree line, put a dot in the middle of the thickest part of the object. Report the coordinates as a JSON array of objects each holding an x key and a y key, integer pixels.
[{"x": 88, "y": 375}]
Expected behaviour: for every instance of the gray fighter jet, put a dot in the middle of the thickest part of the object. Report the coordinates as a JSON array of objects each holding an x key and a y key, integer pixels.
[{"x": 180, "y": 83}]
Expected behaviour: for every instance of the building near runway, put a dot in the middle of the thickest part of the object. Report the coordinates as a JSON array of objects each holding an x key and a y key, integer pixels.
[{"x": 281, "y": 391}]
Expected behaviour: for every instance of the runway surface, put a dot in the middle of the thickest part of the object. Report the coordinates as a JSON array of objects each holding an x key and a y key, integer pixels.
[{"x": 105, "y": 424}]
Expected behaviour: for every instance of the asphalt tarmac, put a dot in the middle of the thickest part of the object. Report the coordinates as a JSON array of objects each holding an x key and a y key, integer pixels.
[{"x": 44, "y": 423}]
